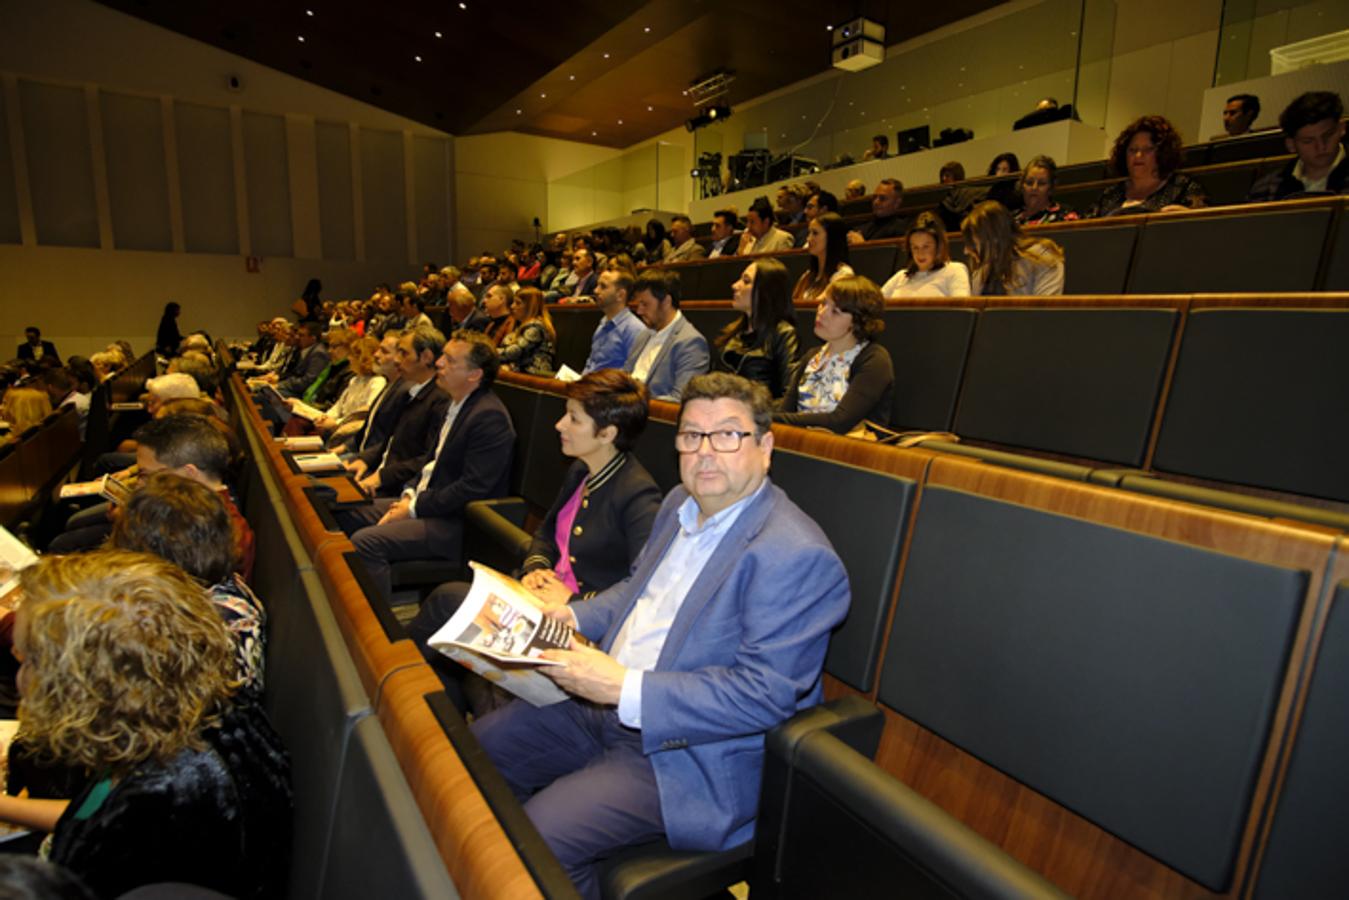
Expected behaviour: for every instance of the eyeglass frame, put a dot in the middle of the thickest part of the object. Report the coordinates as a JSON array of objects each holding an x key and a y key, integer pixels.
[{"x": 708, "y": 436}]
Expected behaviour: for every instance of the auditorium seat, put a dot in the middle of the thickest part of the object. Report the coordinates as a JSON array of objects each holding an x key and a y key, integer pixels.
[
  {"x": 1269, "y": 247},
  {"x": 1081, "y": 381},
  {"x": 1097, "y": 257},
  {"x": 1258, "y": 399},
  {"x": 1122, "y": 658},
  {"x": 1305, "y": 855}
]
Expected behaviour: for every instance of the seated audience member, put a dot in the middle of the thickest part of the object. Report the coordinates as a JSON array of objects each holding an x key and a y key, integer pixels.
[
  {"x": 186, "y": 523},
  {"x": 62, "y": 390},
  {"x": 308, "y": 359},
  {"x": 173, "y": 386},
  {"x": 383, "y": 468},
  {"x": 563, "y": 280},
  {"x": 505, "y": 276},
  {"x": 827, "y": 244},
  {"x": 367, "y": 362},
  {"x": 530, "y": 345},
  {"x": 817, "y": 204},
  {"x": 189, "y": 783},
  {"x": 1038, "y": 206},
  {"x": 1047, "y": 110},
  {"x": 724, "y": 240},
  {"x": 1147, "y": 153},
  {"x": 1004, "y": 164},
  {"x": 24, "y": 408},
  {"x": 1240, "y": 114},
  {"x": 930, "y": 272},
  {"x": 761, "y": 235},
  {"x": 168, "y": 338},
  {"x": 665, "y": 735},
  {"x": 583, "y": 267},
  {"x": 886, "y": 222},
  {"x": 464, "y": 313},
  {"x": 855, "y": 190},
  {"x": 451, "y": 279},
  {"x": 951, "y": 172},
  {"x": 654, "y": 247},
  {"x": 530, "y": 266},
  {"x": 106, "y": 364},
  {"x": 960, "y": 199},
  {"x": 850, "y": 378},
  {"x": 619, "y": 328},
  {"x": 82, "y": 370},
  {"x": 1005, "y": 192},
  {"x": 1005, "y": 261},
  {"x": 761, "y": 344},
  {"x": 386, "y": 406},
  {"x": 413, "y": 307},
  {"x": 685, "y": 246},
  {"x": 35, "y": 349},
  {"x": 880, "y": 148},
  {"x": 1313, "y": 129},
  {"x": 597, "y": 525},
  {"x": 496, "y": 306},
  {"x": 469, "y": 460},
  {"x": 671, "y": 350},
  {"x": 791, "y": 202}
]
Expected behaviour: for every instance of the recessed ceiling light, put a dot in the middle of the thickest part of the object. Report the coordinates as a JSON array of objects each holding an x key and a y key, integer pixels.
[
  {"x": 620, "y": 121},
  {"x": 308, "y": 12},
  {"x": 417, "y": 58},
  {"x": 829, "y": 28},
  {"x": 606, "y": 56},
  {"x": 543, "y": 96},
  {"x": 519, "y": 112},
  {"x": 300, "y": 38},
  {"x": 463, "y": 6},
  {"x": 594, "y": 134},
  {"x": 571, "y": 77},
  {"x": 647, "y": 29},
  {"x": 439, "y": 35},
  {"x": 651, "y": 109}
]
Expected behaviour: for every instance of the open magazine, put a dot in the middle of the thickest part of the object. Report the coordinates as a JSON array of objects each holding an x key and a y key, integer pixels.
[
  {"x": 15, "y": 556},
  {"x": 107, "y": 487},
  {"x": 500, "y": 632}
]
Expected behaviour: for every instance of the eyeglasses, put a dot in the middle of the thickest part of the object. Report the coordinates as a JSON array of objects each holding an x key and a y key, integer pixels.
[{"x": 721, "y": 441}]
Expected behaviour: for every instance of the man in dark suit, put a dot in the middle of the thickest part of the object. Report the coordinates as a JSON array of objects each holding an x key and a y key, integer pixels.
[
  {"x": 469, "y": 459},
  {"x": 36, "y": 349},
  {"x": 382, "y": 469},
  {"x": 311, "y": 358}
]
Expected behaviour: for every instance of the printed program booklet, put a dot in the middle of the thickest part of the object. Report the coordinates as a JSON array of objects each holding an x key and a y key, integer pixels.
[
  {"x": 500, "y": 632},
  {"x": 107, "y": 487},
  {"x": 15, "y": 556}
]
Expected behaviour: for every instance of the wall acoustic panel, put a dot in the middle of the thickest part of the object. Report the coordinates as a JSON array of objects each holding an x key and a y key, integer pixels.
[
  {"x": 336, "y": 216},
  {"x": 268, "y": 185},
  {"x": 206, "y": 174},
  {"x": 432, "y": 198},
  {"x": 382, "y": 196},
  {"x": 60, "y": 169},
  {"x": 9, "y": 201},
  {"x": 133, "y": 142}
]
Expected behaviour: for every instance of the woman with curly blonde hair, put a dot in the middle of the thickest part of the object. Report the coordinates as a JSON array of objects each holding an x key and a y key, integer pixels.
[{"x": 127, "y": 673}]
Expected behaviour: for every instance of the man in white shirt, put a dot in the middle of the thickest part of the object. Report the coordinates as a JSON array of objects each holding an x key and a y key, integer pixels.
[
  {"x": 671, "y": 351},
  {"x": 718, "y": 635},
  {"x": 469, "y": 459}
]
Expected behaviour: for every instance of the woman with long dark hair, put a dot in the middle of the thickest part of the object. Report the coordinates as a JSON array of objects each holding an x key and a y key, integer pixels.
[
  {"x": 762, "y": 343},
  {"x": 827, "y": 244},
  {"x": 1005, "y": 261}
]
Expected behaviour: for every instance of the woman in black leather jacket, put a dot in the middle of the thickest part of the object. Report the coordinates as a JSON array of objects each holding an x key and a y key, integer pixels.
[{"x": 762, "y": 344}]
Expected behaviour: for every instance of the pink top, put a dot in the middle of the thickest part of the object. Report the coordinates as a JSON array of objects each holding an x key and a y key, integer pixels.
[{"x": 566, "y": 517}]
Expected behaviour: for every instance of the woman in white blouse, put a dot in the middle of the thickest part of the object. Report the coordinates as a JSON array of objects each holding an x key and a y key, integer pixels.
[
  {"x": 930, "y": 272},
  {"x": 347, "y": 414},
  {"x": 827, "y": 244}
]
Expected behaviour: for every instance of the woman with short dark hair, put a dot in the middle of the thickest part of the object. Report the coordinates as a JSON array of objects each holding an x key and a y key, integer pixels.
[
  {"x": 1148, "y": 154},
  {"x": 851, "y": 377},
  {"x": 761, "y": 343}
]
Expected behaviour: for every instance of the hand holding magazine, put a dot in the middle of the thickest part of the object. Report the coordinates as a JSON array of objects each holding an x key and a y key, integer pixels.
[{"x": 500, "y": 632}]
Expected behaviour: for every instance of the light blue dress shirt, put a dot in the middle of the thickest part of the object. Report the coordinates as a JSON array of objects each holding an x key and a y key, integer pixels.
[
  {"x": 612, "y": 340},
  {"x": 643, "y": 634}
]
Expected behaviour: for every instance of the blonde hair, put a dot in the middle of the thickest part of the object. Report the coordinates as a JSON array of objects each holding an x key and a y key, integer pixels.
[
  {"x": 26, "y": 407},
  {"x": 126, "y": 660},
  {"x": 363, "y": 355}
]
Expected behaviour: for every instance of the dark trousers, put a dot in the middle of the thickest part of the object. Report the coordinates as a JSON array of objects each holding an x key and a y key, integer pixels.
[
  {"x": 382, "y": 545},
  {"x": 582, "y": 777}
]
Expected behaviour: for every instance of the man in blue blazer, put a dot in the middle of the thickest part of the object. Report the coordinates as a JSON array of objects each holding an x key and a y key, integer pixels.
[
  {"x": 717, "y": 635},
  {"x": 671, "y": 350}
]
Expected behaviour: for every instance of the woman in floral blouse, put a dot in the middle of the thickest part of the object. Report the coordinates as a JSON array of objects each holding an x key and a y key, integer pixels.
[
  {"x": 1147, "y": 153},
  {"x": 1038, "y": 206},
  {"x": 529, "y": 346},
  {"x": 851, "y": 377}
]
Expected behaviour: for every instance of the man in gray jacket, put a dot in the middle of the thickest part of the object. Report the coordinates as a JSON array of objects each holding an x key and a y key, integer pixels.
[{"x": 671, "y": 351}]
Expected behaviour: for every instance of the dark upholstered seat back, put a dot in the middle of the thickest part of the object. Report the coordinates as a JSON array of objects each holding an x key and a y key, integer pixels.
[
  {"x": 387, "y": 850},
  {"x": 575, "y": 325},
  {"x": 1259, "y": 398},
  {"x": 1275, "y": 250},
  {"x": 544, "y": 463},
  {"x": 655, "y": 448},
  {"x": 876, "y": 263},
  {"x": 1096, "y": 260},
  {"x": 523, "y": 405},
  {"x": 865, "y": 514},
  {"x": 1080, "y": 382},
  {"x": 1306, "y": 855},
  {"x": 1132, "y": 680}
]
